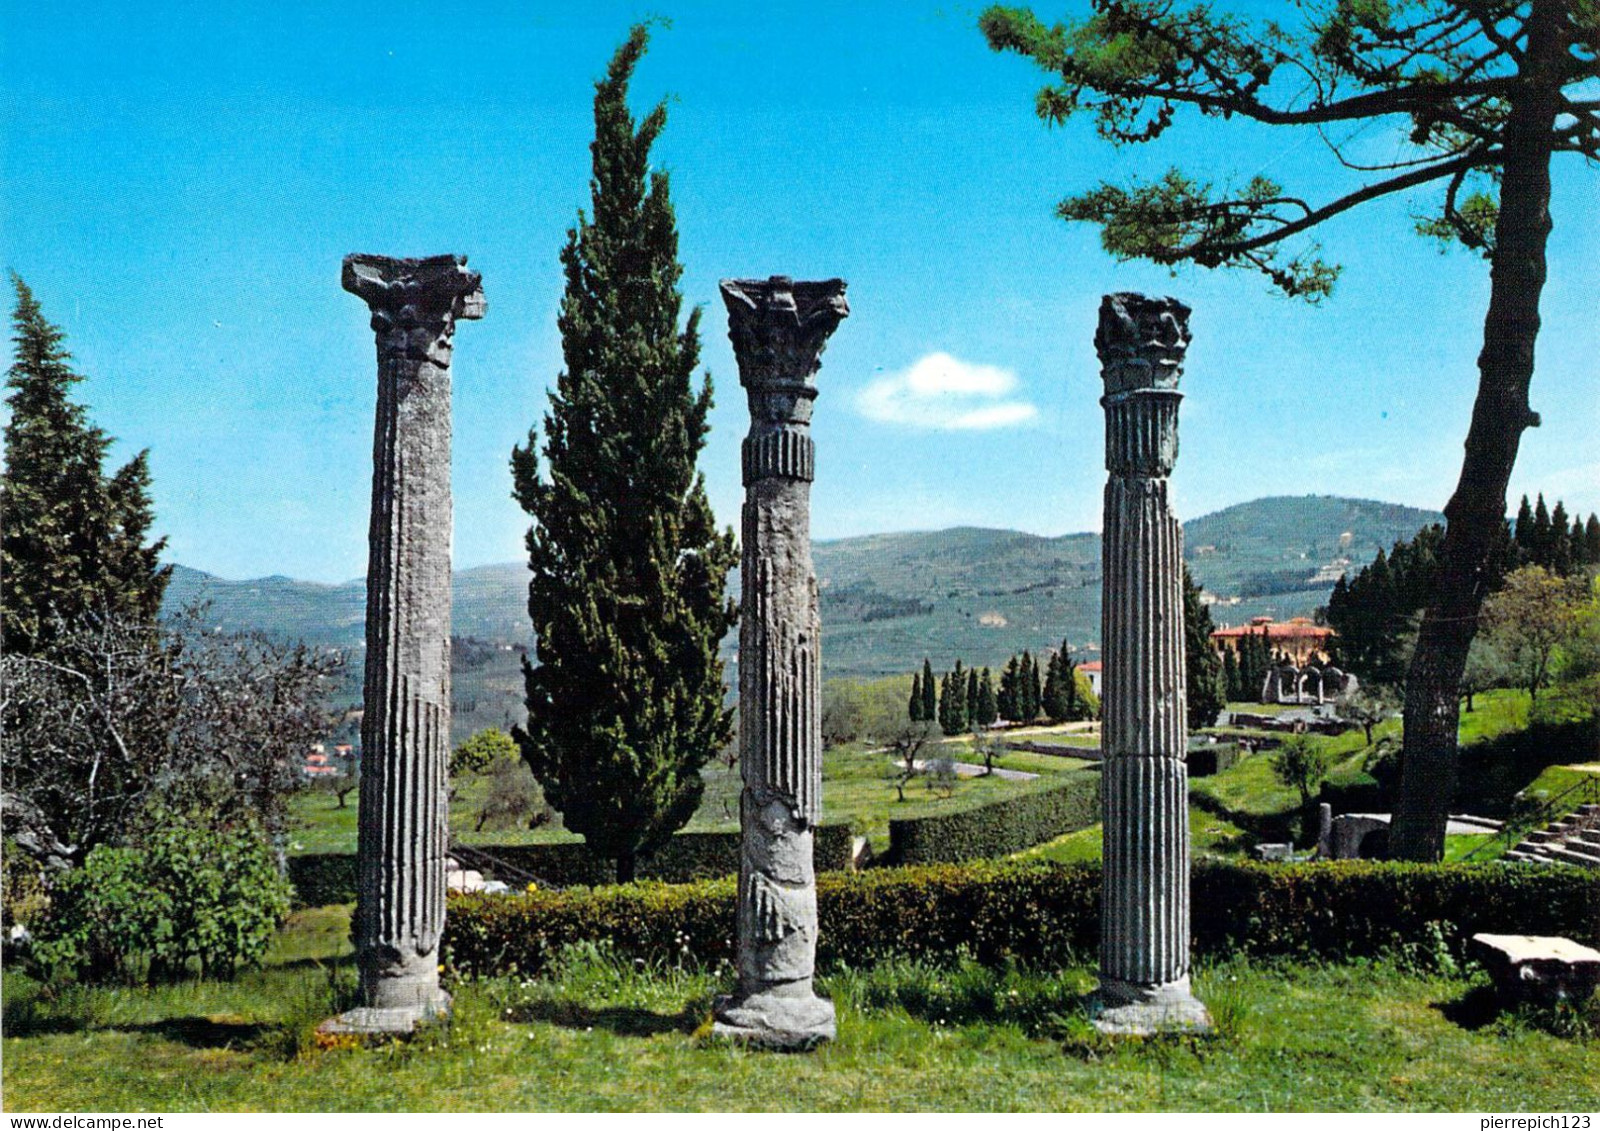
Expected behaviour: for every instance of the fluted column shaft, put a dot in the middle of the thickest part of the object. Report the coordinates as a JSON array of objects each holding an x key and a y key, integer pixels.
[
  {"x": 778, "y": 328},
  {"x": 405, "y": 728},
  {"x": 1144, "y": 930}
]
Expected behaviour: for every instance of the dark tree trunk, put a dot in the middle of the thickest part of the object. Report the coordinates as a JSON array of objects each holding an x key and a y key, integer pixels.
[
  {"x": 1476, "y": 512},
  {"x": 625, "y": 868}
]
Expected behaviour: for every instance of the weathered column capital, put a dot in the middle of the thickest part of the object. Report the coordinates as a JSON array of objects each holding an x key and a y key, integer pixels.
[
  {"x": 415, "y": 303},
  {"x": 779, "y": 328},
  {"x": 1141, "y": 342}
]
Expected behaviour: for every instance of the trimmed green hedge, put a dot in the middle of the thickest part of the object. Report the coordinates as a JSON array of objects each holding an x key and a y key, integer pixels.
[
  {"x": 999, "y": 828},
  {"x": 1041, "y": 913},
  {"x": 331, "y": 878},
  {"x": 323, "y": 878},
  {"x": 1204, "y": 761}
]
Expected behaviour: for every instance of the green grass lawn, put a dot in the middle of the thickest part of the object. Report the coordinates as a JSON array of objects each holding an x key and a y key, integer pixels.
[
  {"x": 1494, "y": 713},
  {"x": 858, "y": 786},
  {"x": 1209, "y": 835},
  {"x": 1076, "y": 740},
  {"x": 599, "y": 1034}
]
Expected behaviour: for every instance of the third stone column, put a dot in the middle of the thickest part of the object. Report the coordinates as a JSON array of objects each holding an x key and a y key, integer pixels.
[{"x": 1144, "y": 926}]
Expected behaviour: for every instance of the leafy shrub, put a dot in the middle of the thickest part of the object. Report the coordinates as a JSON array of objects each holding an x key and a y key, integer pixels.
[
  {"x": 331, "y": 878},
  {"x": 1046, "y": 914},
  {"x": 188, "y": 898},
  {"x": 322, "y": 878},
  {"x": 1300, "y": 764},
  {"x": 22, "y": 888},
  {"x": 1001, "y": 827}
]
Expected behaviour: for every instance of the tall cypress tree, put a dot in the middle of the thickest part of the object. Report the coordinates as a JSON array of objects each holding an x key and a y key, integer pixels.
[
  {"x": 930, "y": 705},
  {"x": 972, "y": 696},
  {"x": 625, "y": 703},
  {"x": 914, "y": 705},
  {"x": 1591, "y": 540},
  {"x": 74, "y": 538},
  {"x": 1230, "y": 676},
  {"x": 1522, "y": 532},
  {"x": 988, "y": 708},
  {"x": 1539, "y": 540},
  {"x": 1006, "y": 699},
  {"x": 1069, "y": 672},
  {"x": 1560, "y": 551},
  {"x": 1207, "y": 697},
  {"x": 1030, "y": 697}
]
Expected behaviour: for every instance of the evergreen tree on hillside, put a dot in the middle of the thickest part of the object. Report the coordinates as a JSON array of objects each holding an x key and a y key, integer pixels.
[
  {"x": 1522, "y": 531},
  {"x": 625, "y": 702},
  {"x": 953, "y": 701},
  {"x": 988, "y": 708},
  {"x": 930, "y": 701},
  {"x": 1540, "y": 541},
  {"x": 1559, "y": 552},
  {"x": 1006, "y": 699},
  {"x": 1230, "y": 676},
  {"x": 1591, "y": 540},
  {"x": 1207, "y": 698},
  {"x": 972, "y": 696},
  {"x": 74, "y": 541},
  {"x": 1029, "y": 694},
  {"x": 1053, "y": 701},
  {"x": 1069, "y": 670},
  {"x": 1577, "y": 553},
  {"x": 914, "y": 706}
]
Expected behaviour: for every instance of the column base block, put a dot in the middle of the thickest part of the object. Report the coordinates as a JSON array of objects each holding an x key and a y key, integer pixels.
[
  {"x": 1128, "y": 1009},
  {"x": 395, "y": 1021},
  {"x": 769, "y": 1020}
]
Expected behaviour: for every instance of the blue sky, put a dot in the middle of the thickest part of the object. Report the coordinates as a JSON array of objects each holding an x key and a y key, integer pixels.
[{"x": 181, "y": 182}]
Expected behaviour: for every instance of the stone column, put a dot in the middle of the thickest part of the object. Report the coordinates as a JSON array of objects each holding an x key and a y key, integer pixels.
[
  {"x": 1144, "y": 926},
  {"x": 778, "y": 328},
  {"x": 405, "y": 729}
]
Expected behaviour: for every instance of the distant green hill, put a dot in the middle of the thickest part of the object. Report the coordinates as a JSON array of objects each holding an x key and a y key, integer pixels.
[{"x": 888, "y": 600}]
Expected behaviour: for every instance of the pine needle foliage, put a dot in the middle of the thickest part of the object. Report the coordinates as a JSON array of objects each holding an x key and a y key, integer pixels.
[
  {"x": 74, "y": 538},
  {"x": 627, "y": 598}
]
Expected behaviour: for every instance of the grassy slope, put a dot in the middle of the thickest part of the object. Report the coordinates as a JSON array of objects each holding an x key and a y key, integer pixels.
[
  {"x": 857, "y": 786},
  {"x": 600, "y": 1036}
]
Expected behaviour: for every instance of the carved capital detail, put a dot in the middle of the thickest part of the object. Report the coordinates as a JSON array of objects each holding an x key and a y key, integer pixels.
[
  {"x": 415, "y": 302},
  {"x": 778, "y": 328},
  {"x": 1141, "y": 342}
]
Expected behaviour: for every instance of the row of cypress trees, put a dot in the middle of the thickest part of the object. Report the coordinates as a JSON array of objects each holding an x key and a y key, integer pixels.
[
  {"x": 967, "y": 698},
  {"x": 1373, "y": 611}
]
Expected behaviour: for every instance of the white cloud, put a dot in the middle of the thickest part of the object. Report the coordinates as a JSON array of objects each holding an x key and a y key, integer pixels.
[{"x": 945, "y": 393}]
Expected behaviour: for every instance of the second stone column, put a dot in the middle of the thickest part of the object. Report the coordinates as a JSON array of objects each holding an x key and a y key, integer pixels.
[{"x": 778, "y": 328}]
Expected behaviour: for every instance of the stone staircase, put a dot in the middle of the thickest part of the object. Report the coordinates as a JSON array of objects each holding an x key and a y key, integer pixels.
[{"x": 1574, "y": 839}]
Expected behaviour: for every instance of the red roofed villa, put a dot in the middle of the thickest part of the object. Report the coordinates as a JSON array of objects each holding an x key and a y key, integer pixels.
[{"x": 1301, "y": 640}]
